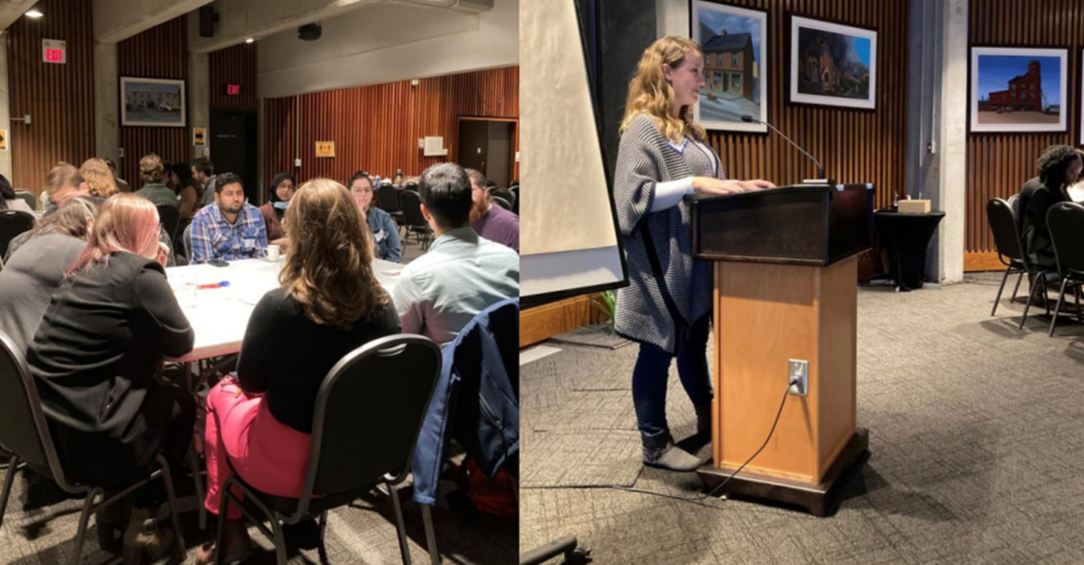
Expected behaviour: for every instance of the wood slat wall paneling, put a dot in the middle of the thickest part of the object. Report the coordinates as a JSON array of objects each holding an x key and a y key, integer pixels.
[
  {"x": 234, "y": 65},
  {"x": 856, "y": 146},
  {"x": 58, "y": 98},
  {"x": 160, "y": 52},
  {"x": 377, "y": 128},
  {"x": 998, "y": 164}
]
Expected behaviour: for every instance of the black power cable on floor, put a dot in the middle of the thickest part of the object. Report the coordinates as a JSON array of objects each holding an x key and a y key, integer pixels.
[{"x": 695, "y": 499}]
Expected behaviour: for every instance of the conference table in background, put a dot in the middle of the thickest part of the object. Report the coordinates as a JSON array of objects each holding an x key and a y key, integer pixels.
[{"x": 220, "y": 316}]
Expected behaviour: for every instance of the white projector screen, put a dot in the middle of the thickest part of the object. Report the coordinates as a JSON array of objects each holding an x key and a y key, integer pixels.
[{"x": 568, "y": 233}]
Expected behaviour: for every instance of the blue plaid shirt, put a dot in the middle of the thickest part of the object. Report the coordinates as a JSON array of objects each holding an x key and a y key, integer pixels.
[{"x": 215, "y": 238}]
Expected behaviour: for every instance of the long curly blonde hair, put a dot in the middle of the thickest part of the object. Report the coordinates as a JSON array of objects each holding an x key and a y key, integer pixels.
[
  {"x": 649, "y": 93},
  {"x": 99, "y": 177},
  {"x": 329, "y": 268}
]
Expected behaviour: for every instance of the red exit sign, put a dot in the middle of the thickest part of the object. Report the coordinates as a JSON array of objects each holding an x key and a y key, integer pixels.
[
  {"x": 233, "y": 90},
  {"x": 54, "y": 51}
]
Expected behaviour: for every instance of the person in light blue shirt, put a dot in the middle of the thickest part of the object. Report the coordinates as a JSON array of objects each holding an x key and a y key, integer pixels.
[
  {"x": 230, "y": 229},
  {"x": 462, "y": 273},
  {"x": 382, "y": 227}
]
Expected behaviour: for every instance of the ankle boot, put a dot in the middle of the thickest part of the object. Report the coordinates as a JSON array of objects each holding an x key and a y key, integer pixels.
[
  {"x": 144, "y": 536},
  {"x": 703, "y": 420},
  {"x": 671, "y": 458}
]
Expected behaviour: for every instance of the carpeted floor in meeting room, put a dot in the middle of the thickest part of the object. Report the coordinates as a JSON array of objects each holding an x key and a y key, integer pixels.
[{"x": 975, "y": 435}]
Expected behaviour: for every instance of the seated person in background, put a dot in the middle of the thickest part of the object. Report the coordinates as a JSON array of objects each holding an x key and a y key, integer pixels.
[
  {"x": 203, "y": 170},
  {"x": 62, "y": 184},
  {"x": 1059, "y": 167},
  {"x": 153, "y": 173},
  {"x": 282, "y": 190},
  {"x": 231, "y": 228},
  {"x": 95, "y": 357},
  {"x": 330, "y": 303},
  {"x": 462, "y": 273},
  {"x": 8, "y": 200},
  {"x": 31, "y": 276},
  {"x": 188, "y": 190},
  {"x": 385, "y": 233},
  {"x": 122, "y": 185},
  {"x": 99, "y": 178},
  {"x": 487, "y": 220}
]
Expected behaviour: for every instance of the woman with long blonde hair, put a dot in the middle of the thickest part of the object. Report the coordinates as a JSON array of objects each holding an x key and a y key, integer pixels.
[
  {"x": 667, "y": 307},
  {"x": 96, "y": 356},
  {"x": 99, "y": 178},
  {"x": 329, "y": 304}
]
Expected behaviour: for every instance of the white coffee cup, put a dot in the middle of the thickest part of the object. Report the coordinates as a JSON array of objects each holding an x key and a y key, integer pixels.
[{"x": 273, "y": 252}]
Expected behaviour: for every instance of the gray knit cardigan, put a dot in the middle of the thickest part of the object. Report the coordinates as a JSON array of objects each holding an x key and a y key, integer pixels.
[{"x": 668, "y": 290}]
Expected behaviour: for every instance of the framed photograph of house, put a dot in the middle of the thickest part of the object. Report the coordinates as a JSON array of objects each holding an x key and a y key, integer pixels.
[
  {"x": 832, "y": 64},
  {"x": 735, "y": 45},
  {"x": 1018, "y": 89},
  {"x": 152, "y": 102}
]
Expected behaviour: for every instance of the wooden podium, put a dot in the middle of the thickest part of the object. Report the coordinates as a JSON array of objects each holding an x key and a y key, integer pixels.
[{"x": 785, "y": 289}]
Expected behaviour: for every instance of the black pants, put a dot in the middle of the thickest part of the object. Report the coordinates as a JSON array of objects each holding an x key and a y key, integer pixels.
[{"x": 170, "y": 412}]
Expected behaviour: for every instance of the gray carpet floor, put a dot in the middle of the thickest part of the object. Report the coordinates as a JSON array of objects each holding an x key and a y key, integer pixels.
[
  {"x": 976, "y": 446},
  {"x": 40, "y": 525}
]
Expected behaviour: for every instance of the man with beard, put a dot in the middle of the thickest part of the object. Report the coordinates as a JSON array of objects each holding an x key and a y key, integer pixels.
[
  {"x": 231, "y": 228},
  {"x": 491, "y": 222}
]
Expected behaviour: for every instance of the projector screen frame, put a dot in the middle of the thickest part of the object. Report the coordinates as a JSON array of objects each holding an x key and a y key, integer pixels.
[{"x": 550, "y": 297}]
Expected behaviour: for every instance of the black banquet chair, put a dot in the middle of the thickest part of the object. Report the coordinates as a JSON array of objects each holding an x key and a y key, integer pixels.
[
  {"x": 1066, "y": 223},
  {"x": 1009, "y": 245},
  {"x": 388, "y": 199},
  {"x": 28, "y": 197},
  {"x": 13, "y": 223},
  {"x": 413, "y": 220},
  {"x": 170, "y": 216},
  {"x": 25, "y": 433},
  {"x": 499, "y": 201},
  {"x": 345, "y": 464}
]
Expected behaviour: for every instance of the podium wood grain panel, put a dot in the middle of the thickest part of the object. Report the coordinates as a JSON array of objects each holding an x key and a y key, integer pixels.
[{"x": 767, "y": 314}]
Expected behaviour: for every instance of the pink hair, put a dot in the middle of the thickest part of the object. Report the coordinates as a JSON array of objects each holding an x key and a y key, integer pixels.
[{"x": 126, "y": 223}]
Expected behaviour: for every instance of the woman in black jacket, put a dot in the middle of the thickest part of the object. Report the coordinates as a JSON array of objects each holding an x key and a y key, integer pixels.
[
  {"x": 95, "y": 358},
  {"x": 1059, "y": 167}
]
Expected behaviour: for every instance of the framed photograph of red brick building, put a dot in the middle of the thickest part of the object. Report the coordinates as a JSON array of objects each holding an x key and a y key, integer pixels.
[
  {"x": 735, "y": 46},
  {"x": 1019, "y": 89}
]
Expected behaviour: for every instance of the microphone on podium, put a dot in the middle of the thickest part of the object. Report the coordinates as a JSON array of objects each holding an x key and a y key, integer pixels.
[{"x": 820, "y": 168}]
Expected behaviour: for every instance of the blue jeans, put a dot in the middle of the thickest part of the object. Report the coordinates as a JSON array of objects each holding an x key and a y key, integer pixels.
[{"x": 650, "y": 375}]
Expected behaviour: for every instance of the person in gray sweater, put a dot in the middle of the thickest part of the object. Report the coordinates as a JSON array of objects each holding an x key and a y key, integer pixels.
[
  {"x": 667, "y": 307},
  {"x": 31, "y": 275}
]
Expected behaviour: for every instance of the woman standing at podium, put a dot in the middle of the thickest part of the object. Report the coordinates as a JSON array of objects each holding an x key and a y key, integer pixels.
[{"x": 667, "y": 307}]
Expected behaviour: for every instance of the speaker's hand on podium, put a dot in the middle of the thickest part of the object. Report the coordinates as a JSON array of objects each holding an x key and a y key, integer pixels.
[
  {"x": 716, "y": 187},
  {"x": 758, "y": 184}
]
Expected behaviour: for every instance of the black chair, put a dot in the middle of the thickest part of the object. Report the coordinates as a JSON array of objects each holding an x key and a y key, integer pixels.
[
  {"x": 27, "y": 197},
  {"x": 1066, "y": 224},
  {"x": 515, "y": 203},
  {"x": 502, "y": 203},
  {"x": 388, "y": 199},
  {"x": 186, "y": 240},
  {"x": 13, "y": 223},
  {"x": 506, "y": 194},
  {"x": 413, "y": 220},
  {"x": 514, "y": 184},
  {"x": 25, "y": 433},
  {"x": 170, "y": 216},
  {"x": 1009, "y": 245},
  {"x": 363, "y": 435}
]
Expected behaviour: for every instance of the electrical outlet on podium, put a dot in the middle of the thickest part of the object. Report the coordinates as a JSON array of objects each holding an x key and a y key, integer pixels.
[{"x": 799, "y": 369}]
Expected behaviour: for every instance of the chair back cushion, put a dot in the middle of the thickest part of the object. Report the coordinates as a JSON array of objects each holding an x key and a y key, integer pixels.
[
  {"x": 169, "y": 216},
  {"x": 22, "y": 424},
  {"x": 412, "y": 209},
  {"x": 370, "y": 410},
  {"x": 388, "y": 198},
  {"x": 13, "y": 223},
  {"x": 1003, "y": 224},
  {"x": 1065, "y": 221},
  {"x": 28, "y": 197}
]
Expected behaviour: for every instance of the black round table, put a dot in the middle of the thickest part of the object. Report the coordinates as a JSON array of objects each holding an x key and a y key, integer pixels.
[{"x": 906, "y": 237}]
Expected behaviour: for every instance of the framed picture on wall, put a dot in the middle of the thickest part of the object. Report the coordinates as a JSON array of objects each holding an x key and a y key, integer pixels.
[
  {"x": 735, "y": 45},
  {"x": 152, "y": 102},
  {"x": 1018, "y": 89},
  {"x": 832, "y": 64}
]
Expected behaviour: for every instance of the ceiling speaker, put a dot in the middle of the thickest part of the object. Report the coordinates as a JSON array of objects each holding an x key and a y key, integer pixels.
[{"x": 310, "y": 32}]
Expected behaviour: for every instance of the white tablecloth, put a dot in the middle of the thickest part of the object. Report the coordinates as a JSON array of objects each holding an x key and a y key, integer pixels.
[{"x": 220, "y": 316}]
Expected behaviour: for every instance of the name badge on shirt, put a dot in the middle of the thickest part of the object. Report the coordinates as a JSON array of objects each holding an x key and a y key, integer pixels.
[
  {"x": 379, "y": 236},
  {"x": 250, "y": 243}
]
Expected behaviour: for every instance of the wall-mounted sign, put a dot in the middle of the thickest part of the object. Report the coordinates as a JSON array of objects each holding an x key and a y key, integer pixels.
[
  {"x": 199, "y": 136},
  {"x": 434, "y": 147},
  {"x": 54, "y": 51},
  {"x": 233, "y": 90},
  {"x": 3, "y": 140},
  {"x": 325, "y": 148}
]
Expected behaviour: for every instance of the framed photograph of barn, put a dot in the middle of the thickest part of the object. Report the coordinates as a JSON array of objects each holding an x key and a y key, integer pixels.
[
  {"x": 735, "y": 45},
  {"x": 832, "y": 64},
  {"x": 152, "y": 102},
  {"x": 1019, "y": 89}
]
